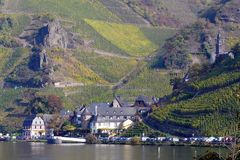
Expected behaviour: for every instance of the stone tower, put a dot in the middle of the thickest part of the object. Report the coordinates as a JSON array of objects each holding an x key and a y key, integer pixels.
[{"x": 219, "y": 44}]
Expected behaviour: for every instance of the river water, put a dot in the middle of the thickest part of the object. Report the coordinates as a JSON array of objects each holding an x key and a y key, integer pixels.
[{"x": 41, "y": 151}]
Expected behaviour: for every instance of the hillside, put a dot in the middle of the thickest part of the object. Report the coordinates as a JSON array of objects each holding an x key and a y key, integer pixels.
[
  {"x": 80, "y": 51},
  {"x": 85, "y": 51},
  {"x": 206, "y": 103}
]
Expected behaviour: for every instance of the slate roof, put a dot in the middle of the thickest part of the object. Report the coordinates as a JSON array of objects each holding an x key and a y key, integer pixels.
[
  {"x": 28, "y": 120},
  {"x": 104, "y": 109},
  {"x": 123, "y": 111},
  {"x": 143, "y": 98},
  {"x": 121, "y": 101}
]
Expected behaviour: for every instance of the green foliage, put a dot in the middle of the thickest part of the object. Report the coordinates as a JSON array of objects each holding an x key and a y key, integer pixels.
[
  {"x": 90, "y": 34},
  {"x": 193, "y": 39},
  {"x": 158, "y": 35},
  {"x": 236, "y": 50},
  {"x": 210, "y": 156},
  {"x": 50, "y": 104},
  {"x": 74, "y": 9},
  {"x": 150, "y": 82},
  {"x": 135, "y": 140},
  {"x": 198, "y": 111},
  {"x": 11, "y": 25},
  {"x": 111, "y": 69},
  {"x": 165, "y": 13},
  {"x": 69, "y": 128},
  {"x": 138, "y": 129},
  {"x": 76, "y": 96},
  {"x": 216, "y": 81},
  {"x": 8, "y": 96},
  {"x": 118, "y": 8}
]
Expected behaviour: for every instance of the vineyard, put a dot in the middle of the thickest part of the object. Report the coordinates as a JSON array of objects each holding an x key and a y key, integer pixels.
[
  {"x": 127, "y": 37},
  {"x": 111, "y": 69},
  {"x": 219, "y": 80},
  {"x": 200, "y": 112},
  {"x": 210, "y": 109},
  {"x": 74, "y": 9},
  {"x": 148, "y": 82},
  {"x": 70, "y": 69}
]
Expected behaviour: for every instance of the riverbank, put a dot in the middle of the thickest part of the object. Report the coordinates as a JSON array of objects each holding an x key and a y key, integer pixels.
[{"x": 128, "y": 143}]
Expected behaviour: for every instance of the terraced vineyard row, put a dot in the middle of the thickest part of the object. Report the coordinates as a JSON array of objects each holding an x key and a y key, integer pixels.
[
  {"x": 196, "y": 112},
  {"x": 124, "y": 12}
]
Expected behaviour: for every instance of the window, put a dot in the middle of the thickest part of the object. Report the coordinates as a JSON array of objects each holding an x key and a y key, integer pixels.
[{"x": 111, "y": 117}]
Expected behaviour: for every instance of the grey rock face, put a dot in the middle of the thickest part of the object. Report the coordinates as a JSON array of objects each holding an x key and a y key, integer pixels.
[
  {"x": 43, "y": 32},
  {"x": 53, "y": 35}
]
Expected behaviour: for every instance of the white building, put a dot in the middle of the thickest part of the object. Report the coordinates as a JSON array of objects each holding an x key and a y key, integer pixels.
[{"x": 33, "y": 128}]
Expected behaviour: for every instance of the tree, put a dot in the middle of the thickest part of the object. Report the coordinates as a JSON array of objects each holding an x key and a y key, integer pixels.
[
  {"x": 210, "y": 156},
  {"x": 236, "y": 50},
  {"x": 91, "y": 139},
  {"x": 69, "y": 128},
  {"x": 55, "y": 104},
  {"x": 135, "y": 140}
]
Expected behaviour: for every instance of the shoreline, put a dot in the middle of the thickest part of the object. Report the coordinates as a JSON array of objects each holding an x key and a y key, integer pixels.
[{"x": 140, "y": 144}]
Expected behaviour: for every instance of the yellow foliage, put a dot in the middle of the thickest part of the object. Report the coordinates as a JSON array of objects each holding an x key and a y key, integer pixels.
[
  {"x": 232, "y": 41},
  {"x": 127, "y": 37}
]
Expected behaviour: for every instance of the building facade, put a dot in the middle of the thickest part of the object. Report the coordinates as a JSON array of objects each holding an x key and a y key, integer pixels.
[
  {"x": 34, "y": 128},
  {"x": 111, "y": 117}
]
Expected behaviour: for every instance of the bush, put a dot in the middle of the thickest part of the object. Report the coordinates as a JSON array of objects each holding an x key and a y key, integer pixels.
[
  {"x": 135, "y": 141},
  {"x": 210, "y": 156},
  {"x": 91, "y": 139}
]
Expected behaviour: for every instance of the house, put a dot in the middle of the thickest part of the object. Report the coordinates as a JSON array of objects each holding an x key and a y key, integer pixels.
[
  {"x": 107, "y": 120},
  {"x": 143, "y": 104},
  {"x": 105, "y": 117},
  {"x": 33, "y": 127},
  {"x": 111, "y": 117},
  {"x": 79, "y": 116},
  {"x": 142, "y": 101},
  {"x": 118, "y": 102}
]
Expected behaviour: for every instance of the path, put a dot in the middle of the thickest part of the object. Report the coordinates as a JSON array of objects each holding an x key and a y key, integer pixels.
[{"x": 111, "y": 54}]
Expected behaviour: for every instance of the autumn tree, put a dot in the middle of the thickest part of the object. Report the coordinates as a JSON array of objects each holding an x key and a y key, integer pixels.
[{"x": 55, "y": 104}]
